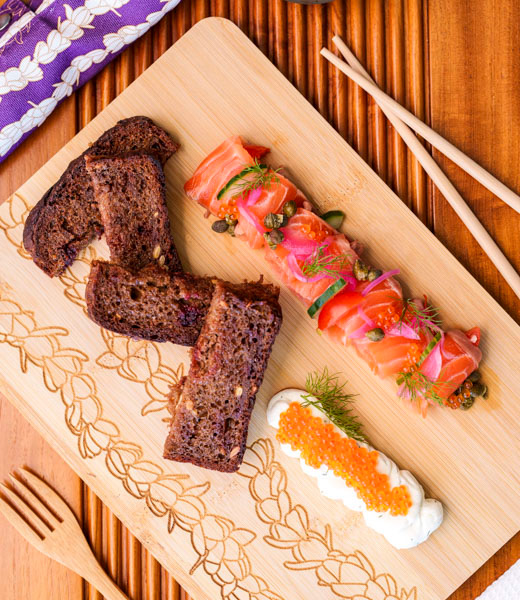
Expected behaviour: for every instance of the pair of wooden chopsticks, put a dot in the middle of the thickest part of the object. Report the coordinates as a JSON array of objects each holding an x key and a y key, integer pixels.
[{"x": 403, "y": 122}]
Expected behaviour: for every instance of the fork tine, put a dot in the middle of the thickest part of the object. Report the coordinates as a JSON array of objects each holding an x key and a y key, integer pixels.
[
  {"x": 22, "y": 507},
  {"x": 19, "y": 523},
  {"x": 34, "y": 501},
  {"x": 55, "y": 501}
]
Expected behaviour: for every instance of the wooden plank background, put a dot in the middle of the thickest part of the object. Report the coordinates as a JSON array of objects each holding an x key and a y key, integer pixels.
[{"x": 452, "y": 62}]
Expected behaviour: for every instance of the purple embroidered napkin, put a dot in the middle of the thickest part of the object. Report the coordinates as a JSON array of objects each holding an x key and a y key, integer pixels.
[{"x": 52, "y": 47}]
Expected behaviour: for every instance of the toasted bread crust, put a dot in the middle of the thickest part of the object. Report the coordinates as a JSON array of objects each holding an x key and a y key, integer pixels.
[
  {"x": 66, "y": 218},
  {"x": 152, "y": 305},
  {"x": 212, "y": 406},
  {"x": 130, "y": 192}
]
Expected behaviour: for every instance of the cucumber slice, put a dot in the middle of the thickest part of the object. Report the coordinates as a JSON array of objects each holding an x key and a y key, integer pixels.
[
  {"x": 236, "y": 178},
  {"x": 331, "y": 291},
  {"x": 334, "y": 218},
  {"x": 428, "y": 349}
]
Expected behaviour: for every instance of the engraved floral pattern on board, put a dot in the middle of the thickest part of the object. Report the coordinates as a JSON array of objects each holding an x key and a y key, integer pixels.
[
  {"x": 141, "y": 362},
  {"x": 219, "y": 544},
  {"x": 348, "y": 575}
]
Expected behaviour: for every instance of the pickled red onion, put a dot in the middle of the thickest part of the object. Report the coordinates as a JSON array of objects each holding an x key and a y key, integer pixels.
[
  {"x": 367, "y": 325},
  {"x": 364, "y": 316},
  {"x": 403, "y": 330},
  {"x": 298, "y": 247},
  {"x": 293, "y": 265},
  {"x": 361, "y": 332},
  {"x": 377, "y": 281},
  {"x": 432, "y": 364},
  {"x": 248, "y": 216},
  {"x": 253, "y": 196}
]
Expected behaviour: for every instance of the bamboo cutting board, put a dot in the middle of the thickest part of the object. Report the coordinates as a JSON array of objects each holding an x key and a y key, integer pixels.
[{"x": 99, "y": 398}]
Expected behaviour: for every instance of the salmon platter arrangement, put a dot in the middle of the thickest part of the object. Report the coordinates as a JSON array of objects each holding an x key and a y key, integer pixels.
[
  {"x": 356, "y": 305},
  {"x": 251, "y": 349}
]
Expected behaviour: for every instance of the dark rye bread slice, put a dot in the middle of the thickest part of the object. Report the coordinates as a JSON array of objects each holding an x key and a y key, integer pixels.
[
  {"x": 130, "y": 192},
  {"x": 212, "y": 405},
  {"x": 67, "y": 217},
  {"x": 152, "y": 305}
]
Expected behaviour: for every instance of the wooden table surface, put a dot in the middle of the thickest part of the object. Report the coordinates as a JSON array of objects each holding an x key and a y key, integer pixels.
[{"x": 452, "y": 62}]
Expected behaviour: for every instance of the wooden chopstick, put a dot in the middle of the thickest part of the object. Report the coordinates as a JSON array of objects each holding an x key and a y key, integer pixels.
[
  {"x": 452, "y": 152},
  {"x": 437, "y": 175}
]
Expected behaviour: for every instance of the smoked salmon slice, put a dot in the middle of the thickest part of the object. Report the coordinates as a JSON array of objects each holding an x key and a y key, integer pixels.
[
  {"x": 305, "y": 234},
  {"x": 218, "y": 169}
]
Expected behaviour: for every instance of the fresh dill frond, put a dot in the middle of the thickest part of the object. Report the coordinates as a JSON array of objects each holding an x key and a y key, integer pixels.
[
  {"x": 253, "y": 177},
  {"x": 419, "y": 384},
  {"x": 329, "y": 264},
  {"x": 325, "y": 393},
  {"x": 421, "y": 318}
]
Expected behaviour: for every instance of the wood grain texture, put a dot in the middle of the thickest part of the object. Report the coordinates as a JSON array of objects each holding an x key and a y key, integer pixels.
[
  {"x": 476, "y": 105},
  {"x": 455, "y": 55},
  {"x": 334, "y": 172},
  {"x": 482, "y": 119}
]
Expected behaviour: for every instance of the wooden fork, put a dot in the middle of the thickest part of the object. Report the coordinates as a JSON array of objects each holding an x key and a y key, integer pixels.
[{"x": 51, "y": 527}]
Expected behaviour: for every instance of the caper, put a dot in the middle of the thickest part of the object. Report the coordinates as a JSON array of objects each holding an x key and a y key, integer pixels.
[
  {"x": 267, "y": 237},
  {"x": 360, "y": 270},
  {"x": 285, "y": 221},
  {"x": 220, "y": 226},
  {"x": 231, "y": 230},
  {"x": 268, "y": 240},
  {"x": 373, "y": 274},
  {"x": 478, "y": 390},
  {"x": 474, "y": 377},
  {"x": 275, "y": 237},
  {"x": 271, "y": 221},
  {"x": 231, "y": 220},
  {"x": 289, "y": 208},
  {"x": 375, "y": 335},
  {"x": 467, "y": 403}
]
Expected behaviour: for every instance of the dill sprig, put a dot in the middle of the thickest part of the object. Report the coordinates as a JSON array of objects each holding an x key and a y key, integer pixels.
[
  {"x": 253, "y": 177},
  {"x": 419, "y": 384},
  {"x": 422, "y": 318},
  {"x": 325, "y": 263},
  {"x": 325, "y": 393}
]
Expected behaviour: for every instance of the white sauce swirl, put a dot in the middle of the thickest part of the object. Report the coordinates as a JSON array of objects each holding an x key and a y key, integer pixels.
[{"x": 402, "y": 531}]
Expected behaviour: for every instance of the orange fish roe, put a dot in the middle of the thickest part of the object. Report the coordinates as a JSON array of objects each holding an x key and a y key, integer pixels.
[
  {"x": 412, "y": 358},
  {"x": 228, "y": 208},
  {"x": 320, "y": 444},
  {"x": 386, "y": 318},
  {"x": 312, "y": 233}
]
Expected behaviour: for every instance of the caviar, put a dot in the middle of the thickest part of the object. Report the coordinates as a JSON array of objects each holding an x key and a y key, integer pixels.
[
  {"x": 313, "y": 231},
  {"x": 464, "y": 396},
  {"x": 228, "y": 209},
  {"x": 321, "y": 444},
  {"x": 388, "y": 317},
  {"x": 412, "y": 358},
  {"x": 454, "y": 401}
]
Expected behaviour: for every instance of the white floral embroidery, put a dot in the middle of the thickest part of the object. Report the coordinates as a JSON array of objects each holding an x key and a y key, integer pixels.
[
  {"x": 22, "y": 22},
  {"x": 17, "y": 78},
  {"x": 45, "y": 4},
  {"x": 16, "y": 27},
  {"x": 113, "y": 42},
  {"x": 58, "y": 40}
]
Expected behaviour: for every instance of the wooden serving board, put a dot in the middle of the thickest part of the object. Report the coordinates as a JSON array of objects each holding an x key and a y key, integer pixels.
[{"x": 99, "y": 398}]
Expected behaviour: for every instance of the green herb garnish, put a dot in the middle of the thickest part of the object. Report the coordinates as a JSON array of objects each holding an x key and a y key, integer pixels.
[
  {"x": 249, "y": 179},
  {"x": 326, "y": 394},
  {"x": 420, "y": 318},
  {"x": 428, "y": 349},
  {"x": 325, "y": 263},
  {"x": 419, "y": 384}
]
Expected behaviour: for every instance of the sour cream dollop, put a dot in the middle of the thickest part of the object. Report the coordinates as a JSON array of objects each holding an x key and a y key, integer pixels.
[{"x": 402, "y": 531}]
